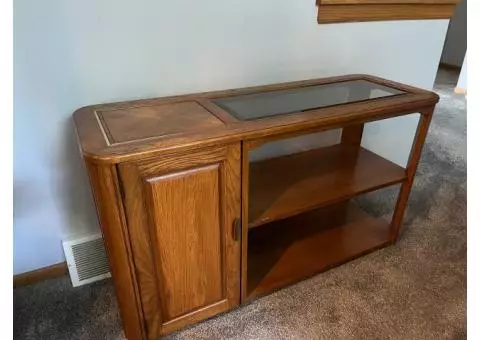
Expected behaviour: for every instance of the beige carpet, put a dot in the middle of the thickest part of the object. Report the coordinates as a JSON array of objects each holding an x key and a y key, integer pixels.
[{"x": 415, "y": 289}]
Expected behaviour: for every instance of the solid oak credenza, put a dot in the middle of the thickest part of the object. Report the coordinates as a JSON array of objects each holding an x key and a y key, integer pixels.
[{"x": 195, "y": 223}]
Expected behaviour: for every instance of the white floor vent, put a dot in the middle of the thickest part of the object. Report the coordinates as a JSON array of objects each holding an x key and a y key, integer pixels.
[{"x": 86, "y": 259}]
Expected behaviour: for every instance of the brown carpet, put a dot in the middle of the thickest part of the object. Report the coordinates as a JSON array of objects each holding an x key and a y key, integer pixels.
[{"x": 415, "y": 289}]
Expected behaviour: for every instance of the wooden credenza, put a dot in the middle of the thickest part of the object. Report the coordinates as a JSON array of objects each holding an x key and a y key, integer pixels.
[{"x": 194, "y": 225}]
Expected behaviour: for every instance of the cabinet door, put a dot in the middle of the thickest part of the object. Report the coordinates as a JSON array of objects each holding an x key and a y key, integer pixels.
[{"x": 180, "y": 211}]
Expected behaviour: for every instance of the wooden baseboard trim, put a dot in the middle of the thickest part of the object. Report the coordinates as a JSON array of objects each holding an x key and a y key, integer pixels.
[
  {"x": 50, "y": 272},
  {"x": 450, "y": 67}
]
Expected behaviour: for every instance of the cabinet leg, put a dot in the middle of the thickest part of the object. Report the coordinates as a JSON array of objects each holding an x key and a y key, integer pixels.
[
  {"x": 414, "y": 158},
  {"x": 104, "y": 182},
  {"x": 352, "y": 134}
]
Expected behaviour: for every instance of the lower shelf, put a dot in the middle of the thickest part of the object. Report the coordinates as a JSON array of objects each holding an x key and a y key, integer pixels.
[{"x": 283, "y": 252}]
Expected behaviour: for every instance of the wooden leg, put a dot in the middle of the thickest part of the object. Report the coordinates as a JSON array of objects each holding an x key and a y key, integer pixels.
[
  {"x": 415, "y": 153},
  {"x": 352, "y": 134},
  {"x": 113, "y": 225}
]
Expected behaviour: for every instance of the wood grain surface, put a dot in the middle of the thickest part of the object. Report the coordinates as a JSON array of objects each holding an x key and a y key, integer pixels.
[
  {"x": 287, "y": 251},
  {"x": 382, "y": 12},
  {"x": 171, "y": 177},
  {"x": 108, "y": 201},
  {"x": 288, "y": 185},
  {"x": 414, "y": 159},
  {"x": 180, "y": 210},
  {"x": 143, "y": 122},
  {"x": 214, "y": 127},
  {"x": 34, "y": 276}
]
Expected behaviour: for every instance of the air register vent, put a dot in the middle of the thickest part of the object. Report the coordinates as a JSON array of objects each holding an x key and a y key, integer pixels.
[{"x": 86, "y": 259}]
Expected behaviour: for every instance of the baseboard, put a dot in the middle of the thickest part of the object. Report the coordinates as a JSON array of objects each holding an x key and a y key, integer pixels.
[
  {"x": 460, "y": 90},
  {"x": 50, "y": 272},
  {"x": 450, "y": 67}
]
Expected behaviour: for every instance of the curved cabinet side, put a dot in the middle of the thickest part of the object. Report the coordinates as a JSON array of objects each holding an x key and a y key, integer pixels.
[{"x": 106, "y": 192}]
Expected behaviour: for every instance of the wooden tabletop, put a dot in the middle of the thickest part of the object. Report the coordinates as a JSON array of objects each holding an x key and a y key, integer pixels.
[{"x": 116, "y": 132}]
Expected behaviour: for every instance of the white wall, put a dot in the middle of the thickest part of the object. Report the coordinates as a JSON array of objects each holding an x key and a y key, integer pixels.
[
  {"x": 74, "y": 53},
  {"x": 462, "y": 79},
  {"x": 456, "y": 41}
]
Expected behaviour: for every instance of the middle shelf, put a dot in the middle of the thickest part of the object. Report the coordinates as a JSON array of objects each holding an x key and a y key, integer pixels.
[{"x": 288, "y": 185}]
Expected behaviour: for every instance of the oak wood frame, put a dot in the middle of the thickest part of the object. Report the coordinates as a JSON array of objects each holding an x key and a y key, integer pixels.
[
  {"x": 104, "y": 162},
  {"x": 94, "y": 147},
  {"x": 351, "y": 135}
]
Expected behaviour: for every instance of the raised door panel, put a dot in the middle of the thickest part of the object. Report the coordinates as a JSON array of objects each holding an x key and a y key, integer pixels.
[
  {"x": 180, "y": 211},
  {"x": 185, "y": 210}
]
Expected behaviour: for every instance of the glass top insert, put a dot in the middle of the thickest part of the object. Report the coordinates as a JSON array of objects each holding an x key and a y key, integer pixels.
[{"x": 280, "y": 102}]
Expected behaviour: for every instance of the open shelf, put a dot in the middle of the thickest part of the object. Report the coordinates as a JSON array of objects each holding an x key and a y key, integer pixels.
[
  {"x": 285, "y": 186},
  {"x": 289, "y": 250}
]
